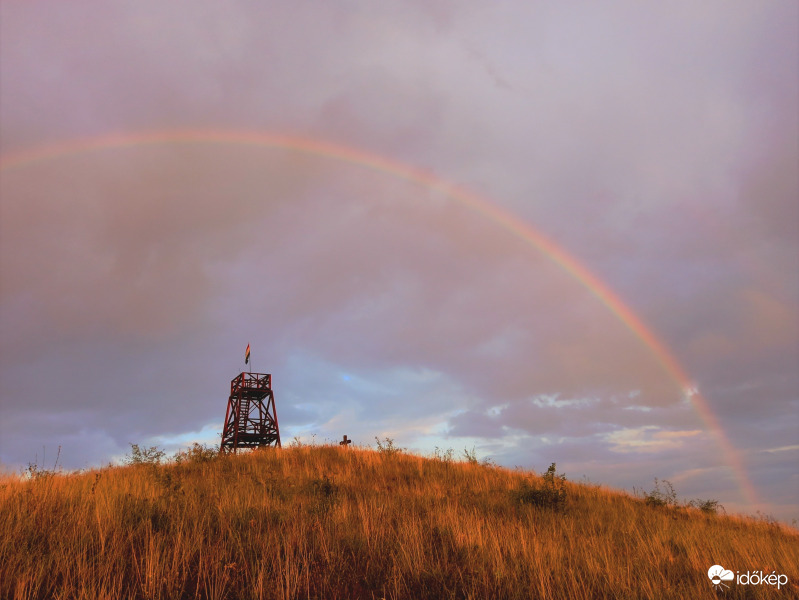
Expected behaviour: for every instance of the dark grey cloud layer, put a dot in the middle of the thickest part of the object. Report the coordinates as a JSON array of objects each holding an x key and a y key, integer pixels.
[{"x": 658, "y": 145}]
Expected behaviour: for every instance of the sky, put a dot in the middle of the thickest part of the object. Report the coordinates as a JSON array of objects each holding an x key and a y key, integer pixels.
[{"x": 322, "y": 180}]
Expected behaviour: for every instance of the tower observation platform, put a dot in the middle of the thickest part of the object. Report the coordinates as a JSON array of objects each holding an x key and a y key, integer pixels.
[{"x": 251, "y": 418}]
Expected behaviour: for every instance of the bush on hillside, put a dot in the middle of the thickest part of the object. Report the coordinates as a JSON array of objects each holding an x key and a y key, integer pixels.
[
  {"x": 196, "y": 454},
  {"x": 387, "y": 447},
  {"x": 711, "y": 507},
  {"x": 445, "y": 456},
  {"x": 325, "y": 494},
  {"x": 470, "y": 456},
  {"x": 550, "y": 493},
  {"x": 37, "y": 472},
  {"x": 661, "y": 497},
  {"x": 144, "y": 456}
]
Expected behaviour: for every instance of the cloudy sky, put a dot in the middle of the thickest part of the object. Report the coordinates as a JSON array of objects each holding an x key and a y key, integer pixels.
[{"x": 656, "y": 145}]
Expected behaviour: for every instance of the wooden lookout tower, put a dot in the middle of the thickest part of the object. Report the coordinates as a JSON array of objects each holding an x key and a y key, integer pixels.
[{"x": 251, "y": 418}]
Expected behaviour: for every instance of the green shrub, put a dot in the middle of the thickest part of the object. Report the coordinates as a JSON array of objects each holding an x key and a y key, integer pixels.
[
  {"x": 550, "y": 493},
  {"x": 470, "y": 456},
  {"x": 387, "y": 447},
  {"x": 325, "y": 494},
  {"x": 36, "y": 472},
  {"x": 324, "y": 487},
  {"x": 710, "y": 507},
  {"x": 169, "y": 482},
  {"x": 445, "y": 456},
  {"x": 197, "y": 453},
  {"x": 662, "y": 497},
  {"x": 144, "y": 456}
]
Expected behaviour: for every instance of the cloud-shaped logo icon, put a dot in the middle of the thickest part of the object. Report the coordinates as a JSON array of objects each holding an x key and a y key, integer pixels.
[{"x": 719, "y": 574}]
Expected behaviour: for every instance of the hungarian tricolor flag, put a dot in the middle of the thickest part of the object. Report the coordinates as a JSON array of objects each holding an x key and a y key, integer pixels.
[{"x": 247, "y": 355}]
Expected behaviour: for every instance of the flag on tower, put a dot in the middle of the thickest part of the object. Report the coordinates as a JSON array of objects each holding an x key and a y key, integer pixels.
[{"x": 247, "y": 355}]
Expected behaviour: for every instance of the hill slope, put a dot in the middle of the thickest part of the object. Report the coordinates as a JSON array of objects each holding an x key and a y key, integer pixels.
[{"x": 331, "y": 522}]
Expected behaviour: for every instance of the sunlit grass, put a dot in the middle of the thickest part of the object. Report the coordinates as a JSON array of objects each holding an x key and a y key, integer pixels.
[{"x": 332, "y": 522}]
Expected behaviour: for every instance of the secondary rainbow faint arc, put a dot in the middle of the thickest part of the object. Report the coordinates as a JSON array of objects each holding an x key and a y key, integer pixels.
[{"x": 491, "y": 211}]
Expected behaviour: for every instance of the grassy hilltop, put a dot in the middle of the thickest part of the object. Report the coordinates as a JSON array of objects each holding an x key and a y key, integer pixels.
[{"x": 331, "y": 522}]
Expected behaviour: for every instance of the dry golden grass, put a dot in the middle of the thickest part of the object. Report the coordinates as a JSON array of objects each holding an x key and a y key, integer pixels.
[{"x": 330, "y": 522}]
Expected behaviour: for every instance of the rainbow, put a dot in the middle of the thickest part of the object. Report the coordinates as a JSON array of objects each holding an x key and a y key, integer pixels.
[{"x": 489, "y": 210}]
